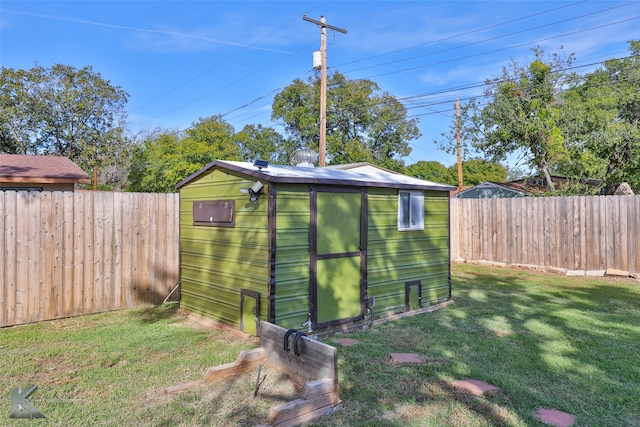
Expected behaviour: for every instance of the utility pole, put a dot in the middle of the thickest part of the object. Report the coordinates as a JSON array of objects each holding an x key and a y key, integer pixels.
[
  {"x": 458, "y": 145},
  {"x": 323, "y": 82}
]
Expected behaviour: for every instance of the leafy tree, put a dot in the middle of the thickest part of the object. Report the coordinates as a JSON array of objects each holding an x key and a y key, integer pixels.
[
  {"x": 19, "y": 112},
  {"x": 477, "y": 171},
  {"x": 215, "y": 134},
  {"x": 601, "y": 122},
  {"x": 522, "y": 114},
  {"x": 431, "y": 171},
  {"x": 363, "y": 123},
  {"x": 258, "y": 142},
  {"x": 166, "y": 158},
  {"x": 474, "y": 172},
  {"x": 152, "y": 162},
  {"x": 63, "y": 111}
]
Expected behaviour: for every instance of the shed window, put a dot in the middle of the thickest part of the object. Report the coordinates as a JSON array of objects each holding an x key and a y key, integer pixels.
[
  {"x": 410, "y": 210},
  {"x": 214, "y": 213}
]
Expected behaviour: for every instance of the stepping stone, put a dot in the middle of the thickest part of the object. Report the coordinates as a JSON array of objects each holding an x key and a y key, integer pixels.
[
  {"x": 347, "y": 342},
  {"x": 406, "y": 358},
  {"x": 476, "y": 387},
  {"x": 554, "y": 417}
]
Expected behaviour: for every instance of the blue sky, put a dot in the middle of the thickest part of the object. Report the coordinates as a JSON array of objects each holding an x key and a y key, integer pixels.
[{"x": 182, "y": 60}]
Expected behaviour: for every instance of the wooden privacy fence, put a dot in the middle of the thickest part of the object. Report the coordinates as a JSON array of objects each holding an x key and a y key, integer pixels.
[
  {"x": 65, "y": 254},
  {"x": 575, "y": 233}
]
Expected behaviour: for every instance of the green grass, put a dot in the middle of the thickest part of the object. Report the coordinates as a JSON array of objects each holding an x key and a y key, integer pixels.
[
  {"x": 571, "y": 344},
  {"x": 566, "y": 343},
  {"x": 112, "y": 368}
]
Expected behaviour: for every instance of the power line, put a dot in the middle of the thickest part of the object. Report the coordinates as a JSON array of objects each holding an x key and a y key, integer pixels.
[
  {"x": 484, "y": 84},
  {"x": 393, "y": 52},
  {"x": 504, "y": 48},
  {"x": 206, "y": 71},
  {"x": 246, "y": 76},
  {"x": 415, "y": 97}
]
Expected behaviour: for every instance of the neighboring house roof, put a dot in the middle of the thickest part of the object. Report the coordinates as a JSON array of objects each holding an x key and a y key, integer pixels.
[
  {"x": 327, "y": 176},
  {"x": 457, "y": 191},
  {"x": 489, "y": 190},
  {"x": 537, "y": 185},
  {"x": 17, "y": 168},
  {"x": 533, "y": 186}
]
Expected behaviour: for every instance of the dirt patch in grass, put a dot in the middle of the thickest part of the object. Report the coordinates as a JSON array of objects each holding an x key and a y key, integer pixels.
[
  {"x": 500, "y": 332},
  {"x": 226, "y": 402}
]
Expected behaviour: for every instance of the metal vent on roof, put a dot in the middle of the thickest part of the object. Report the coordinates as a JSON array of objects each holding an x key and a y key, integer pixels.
[{"x": 304, "y": 158}]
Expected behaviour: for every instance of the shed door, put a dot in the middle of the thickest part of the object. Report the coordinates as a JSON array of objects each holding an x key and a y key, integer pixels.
[{"x": 338, "y": 264}]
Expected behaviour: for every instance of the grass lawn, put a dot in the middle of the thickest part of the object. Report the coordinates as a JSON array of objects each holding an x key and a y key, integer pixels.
[{"x": 566, "y": 343}]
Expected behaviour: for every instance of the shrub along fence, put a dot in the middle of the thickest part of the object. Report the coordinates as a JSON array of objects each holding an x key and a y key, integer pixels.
[
  {"x": 575, "y": 233},
  {"x": 66, "y": 254}
]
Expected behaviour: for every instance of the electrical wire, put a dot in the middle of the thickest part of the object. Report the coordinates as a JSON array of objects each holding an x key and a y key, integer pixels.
[
  {"x": 218, "y": 64},
  {"x": 493, "y": 38},
  {"x": 414, "y": 98}
]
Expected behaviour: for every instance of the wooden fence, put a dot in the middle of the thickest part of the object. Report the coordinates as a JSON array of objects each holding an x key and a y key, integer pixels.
[
  {"x": 65, "y": 254},
  {"x": 575, "y": 233}
]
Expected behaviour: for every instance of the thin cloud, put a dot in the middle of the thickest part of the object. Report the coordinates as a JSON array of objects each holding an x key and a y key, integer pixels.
[{"x": 176, "y": 34}]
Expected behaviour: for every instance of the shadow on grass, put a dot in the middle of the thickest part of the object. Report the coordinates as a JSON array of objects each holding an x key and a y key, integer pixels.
[
  {"x": 571, "y": 344},
  {"x": 155, "y": 314}
]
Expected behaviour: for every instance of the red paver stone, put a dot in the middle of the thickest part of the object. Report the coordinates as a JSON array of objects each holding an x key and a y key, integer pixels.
[
  {"x": 476, "y": 387},
  {"x": 347, "y": 342},
  {"x": 554, "y": 417},
  {"x": 406, "y": 358}
]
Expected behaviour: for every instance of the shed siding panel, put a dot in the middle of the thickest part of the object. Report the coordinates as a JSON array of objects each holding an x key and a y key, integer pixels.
[
  {"x": 292, "y": 255},
  {"x": 216, "y": 262},
  {"x": 396, "y": 257}
]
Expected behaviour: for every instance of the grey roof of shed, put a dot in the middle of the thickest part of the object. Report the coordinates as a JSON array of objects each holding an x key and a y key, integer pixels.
[
  {"x": 326, "y": 176},
  {"x": 40, "y": 169}
]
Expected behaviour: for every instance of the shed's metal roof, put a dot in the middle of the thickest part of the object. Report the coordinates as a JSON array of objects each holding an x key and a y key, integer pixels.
[{"x": 327, "y": 176}]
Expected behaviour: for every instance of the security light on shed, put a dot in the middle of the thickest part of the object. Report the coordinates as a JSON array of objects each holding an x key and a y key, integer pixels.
[{"x": 254, "y": 191}]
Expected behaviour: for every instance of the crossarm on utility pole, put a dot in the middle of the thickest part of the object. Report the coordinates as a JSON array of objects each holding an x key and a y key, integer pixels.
[{"x": 323, "y": 23}]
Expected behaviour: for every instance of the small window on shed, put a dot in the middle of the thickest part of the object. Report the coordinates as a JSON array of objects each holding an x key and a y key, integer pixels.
[
  {"x": 214, "y": 213},
  {"x": 410, "y": 210}
]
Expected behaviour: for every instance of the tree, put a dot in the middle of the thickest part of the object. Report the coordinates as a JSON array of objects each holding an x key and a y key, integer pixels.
[
  {"x": 522, "y": 114},
  {"x": 431, "y": 171},
  {"x": 258, "y": 142},
  {"x": 601, "y": 122},
  {"x": 166, "y": 158},
  {"x": 153, "y": 164},
  {"x": 474, "y": 172},
  {"x": 19, "y": 124},
  {"x": 63, "y": 111},
  {"x": 477, "y": 171},
  {"x": 363, "y": 123}
]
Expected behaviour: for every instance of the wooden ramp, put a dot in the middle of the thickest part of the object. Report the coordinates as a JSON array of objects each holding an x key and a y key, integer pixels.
[
  {"x": 313, "y": 369},
  {"x": 246, "y": 361},
  {"x": 311, "y": 365}
]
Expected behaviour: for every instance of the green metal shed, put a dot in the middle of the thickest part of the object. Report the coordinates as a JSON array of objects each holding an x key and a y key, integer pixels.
[{"x": 310, "y": 248}]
